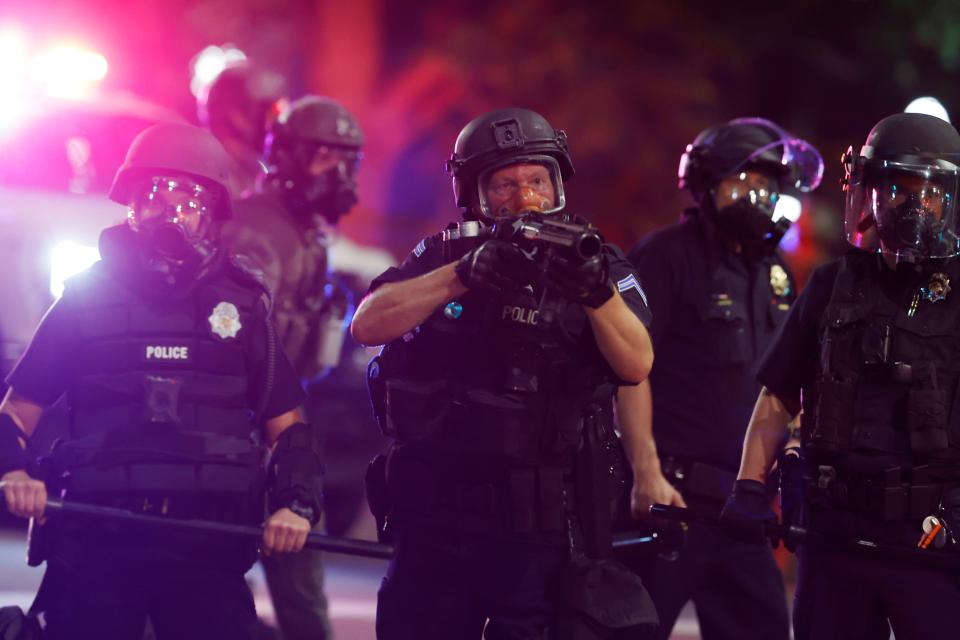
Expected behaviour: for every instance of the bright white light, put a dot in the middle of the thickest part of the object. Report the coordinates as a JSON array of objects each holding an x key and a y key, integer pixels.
[
  {"x": 787, "y": 207},
  {"x": 13, "y": 63},
  {"x": 68, "y": 72},
  {"x": 68, "y": 259},
  {"x": 930, "y": 106},
  {"x": 208, "y": 64}
]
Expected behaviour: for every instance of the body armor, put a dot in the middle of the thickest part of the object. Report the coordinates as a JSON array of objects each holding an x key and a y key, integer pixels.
[
  {"x": 160, "y": 399},
  {"x": 888, "y": 380},
  {"x": 881, "y": 428},
  {"x": 486, "y": 374}
]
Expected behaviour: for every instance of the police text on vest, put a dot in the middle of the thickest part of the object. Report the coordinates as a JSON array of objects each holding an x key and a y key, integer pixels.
[
  {"x": 167, "y": 353},
  {"x": 523, "y": 315}
]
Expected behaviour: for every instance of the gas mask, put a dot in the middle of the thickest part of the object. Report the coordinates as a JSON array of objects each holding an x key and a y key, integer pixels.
[
  {"x": 910, "y": 228},
  {"x": 327, "y": 185},
  {"x": 173, "y": 219},
  {"x": 745, "y": 207}
]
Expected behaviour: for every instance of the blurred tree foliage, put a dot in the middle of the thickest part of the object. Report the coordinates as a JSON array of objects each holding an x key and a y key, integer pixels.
[{"x": 631, "y": 81}]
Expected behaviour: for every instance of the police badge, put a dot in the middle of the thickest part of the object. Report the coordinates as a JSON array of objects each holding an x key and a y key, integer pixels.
[
  {"x": 225, "y": 320},
  {"x": 779, "y": 282},
  {"x": 938, "y": 288}
]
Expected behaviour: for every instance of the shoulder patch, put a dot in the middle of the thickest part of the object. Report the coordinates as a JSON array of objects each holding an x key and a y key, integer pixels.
[{"x": 631, "y": 282}]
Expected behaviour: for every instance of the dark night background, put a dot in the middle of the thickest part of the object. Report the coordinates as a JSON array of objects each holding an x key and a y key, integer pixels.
[{"x": 631, "y": 82}]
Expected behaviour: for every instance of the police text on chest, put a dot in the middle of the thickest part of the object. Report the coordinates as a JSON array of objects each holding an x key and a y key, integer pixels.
[
  {"x": 523, "y": 315},
  {"x": 167, "y": 352}
]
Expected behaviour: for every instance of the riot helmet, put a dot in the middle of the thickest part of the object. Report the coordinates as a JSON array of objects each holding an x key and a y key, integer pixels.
[
  {"x": 738, "y": 173},
  {"x": 241, "y": 103},
  {"x": 902, "y": 187},
  {"x": 313, "y": 155},
  {"x": 509, "y": 161},
  {"x": 176, "y": 184}
]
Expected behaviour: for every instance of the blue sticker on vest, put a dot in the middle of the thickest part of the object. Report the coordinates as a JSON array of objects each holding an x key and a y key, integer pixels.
[
  {"x": 630, "y": 282},
  {"x": 453, "y": 310},
  {"x": 420, "y": 248}
]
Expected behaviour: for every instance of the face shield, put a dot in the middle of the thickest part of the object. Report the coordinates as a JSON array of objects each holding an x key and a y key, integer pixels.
[
  {"x": 904, "y": 208},
  {"x": 526, "y": 184},
  {"x": 802, "y": 164},
  {"x": 174, "y": 217}
]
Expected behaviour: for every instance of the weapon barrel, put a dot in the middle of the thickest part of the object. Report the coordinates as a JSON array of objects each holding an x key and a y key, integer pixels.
[
  {"x": 583, "y": 240},
  {"x": 319, "y": 541}
]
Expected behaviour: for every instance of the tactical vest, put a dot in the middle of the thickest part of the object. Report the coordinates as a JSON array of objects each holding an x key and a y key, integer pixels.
[
  {"x": 488, "y": 374},
  {"x": 160, "y": 396},
  {"x": 888, "y": 381}
]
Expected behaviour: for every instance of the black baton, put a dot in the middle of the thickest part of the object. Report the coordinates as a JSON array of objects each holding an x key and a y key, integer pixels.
[{"x": 319, "y": 541}]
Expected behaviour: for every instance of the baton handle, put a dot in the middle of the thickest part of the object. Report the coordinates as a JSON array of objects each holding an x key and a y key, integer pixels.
[{"x": 679, "y": 514}]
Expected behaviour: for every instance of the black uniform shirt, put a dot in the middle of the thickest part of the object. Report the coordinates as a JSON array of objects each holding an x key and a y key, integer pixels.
[
  {"x": 713, "y": 316},
  {"x": 792, "y": 359},
  {"x": 43, "y": 373}
]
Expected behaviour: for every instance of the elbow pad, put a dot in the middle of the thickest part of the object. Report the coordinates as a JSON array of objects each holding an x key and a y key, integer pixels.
[{"x": 296, "y": 472}]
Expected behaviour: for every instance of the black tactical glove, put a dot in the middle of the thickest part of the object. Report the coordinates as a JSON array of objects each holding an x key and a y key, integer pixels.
[
  {"x": 496, "y": 265},
  {"x": 747, "y": 513},
  {"x": 584, "y": 282}
]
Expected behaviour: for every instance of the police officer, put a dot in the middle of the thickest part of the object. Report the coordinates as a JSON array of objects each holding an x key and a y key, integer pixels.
[
  {"x": 238, "y": 107},
  {"x": 286, "y": 229},
  {"x": 486, "y": 392},
  {"x": 718, "y": 290},
  {"x": 167, "y": 355},
  {"x": 868, "y": 353}
]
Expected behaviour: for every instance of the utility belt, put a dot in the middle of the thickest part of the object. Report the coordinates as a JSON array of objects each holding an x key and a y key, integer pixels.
[
  {"x": 528, "y": 501},
  {"x": 698, "y": 480},
  {"x": 197, "y": 463},
  {"x": 521, "y": 501},
  {"x": 891, "y": 496}
]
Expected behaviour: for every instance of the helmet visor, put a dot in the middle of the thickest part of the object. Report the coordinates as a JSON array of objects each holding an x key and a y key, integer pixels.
[
  {"x": 904, "y": 209},
  {"x": 523, "y": 184},
  {"x": 801, "y": 163}
]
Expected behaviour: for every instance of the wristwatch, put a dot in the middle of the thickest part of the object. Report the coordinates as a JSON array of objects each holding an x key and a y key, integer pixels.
[{"x": 303, "y": 510}]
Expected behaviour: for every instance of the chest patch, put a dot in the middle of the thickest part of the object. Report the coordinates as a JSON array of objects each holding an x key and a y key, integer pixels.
[
  {"x": 167, "y": 352},
  {"x": 521, "y": 315},
  {"x": 225, "y": 320}
]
